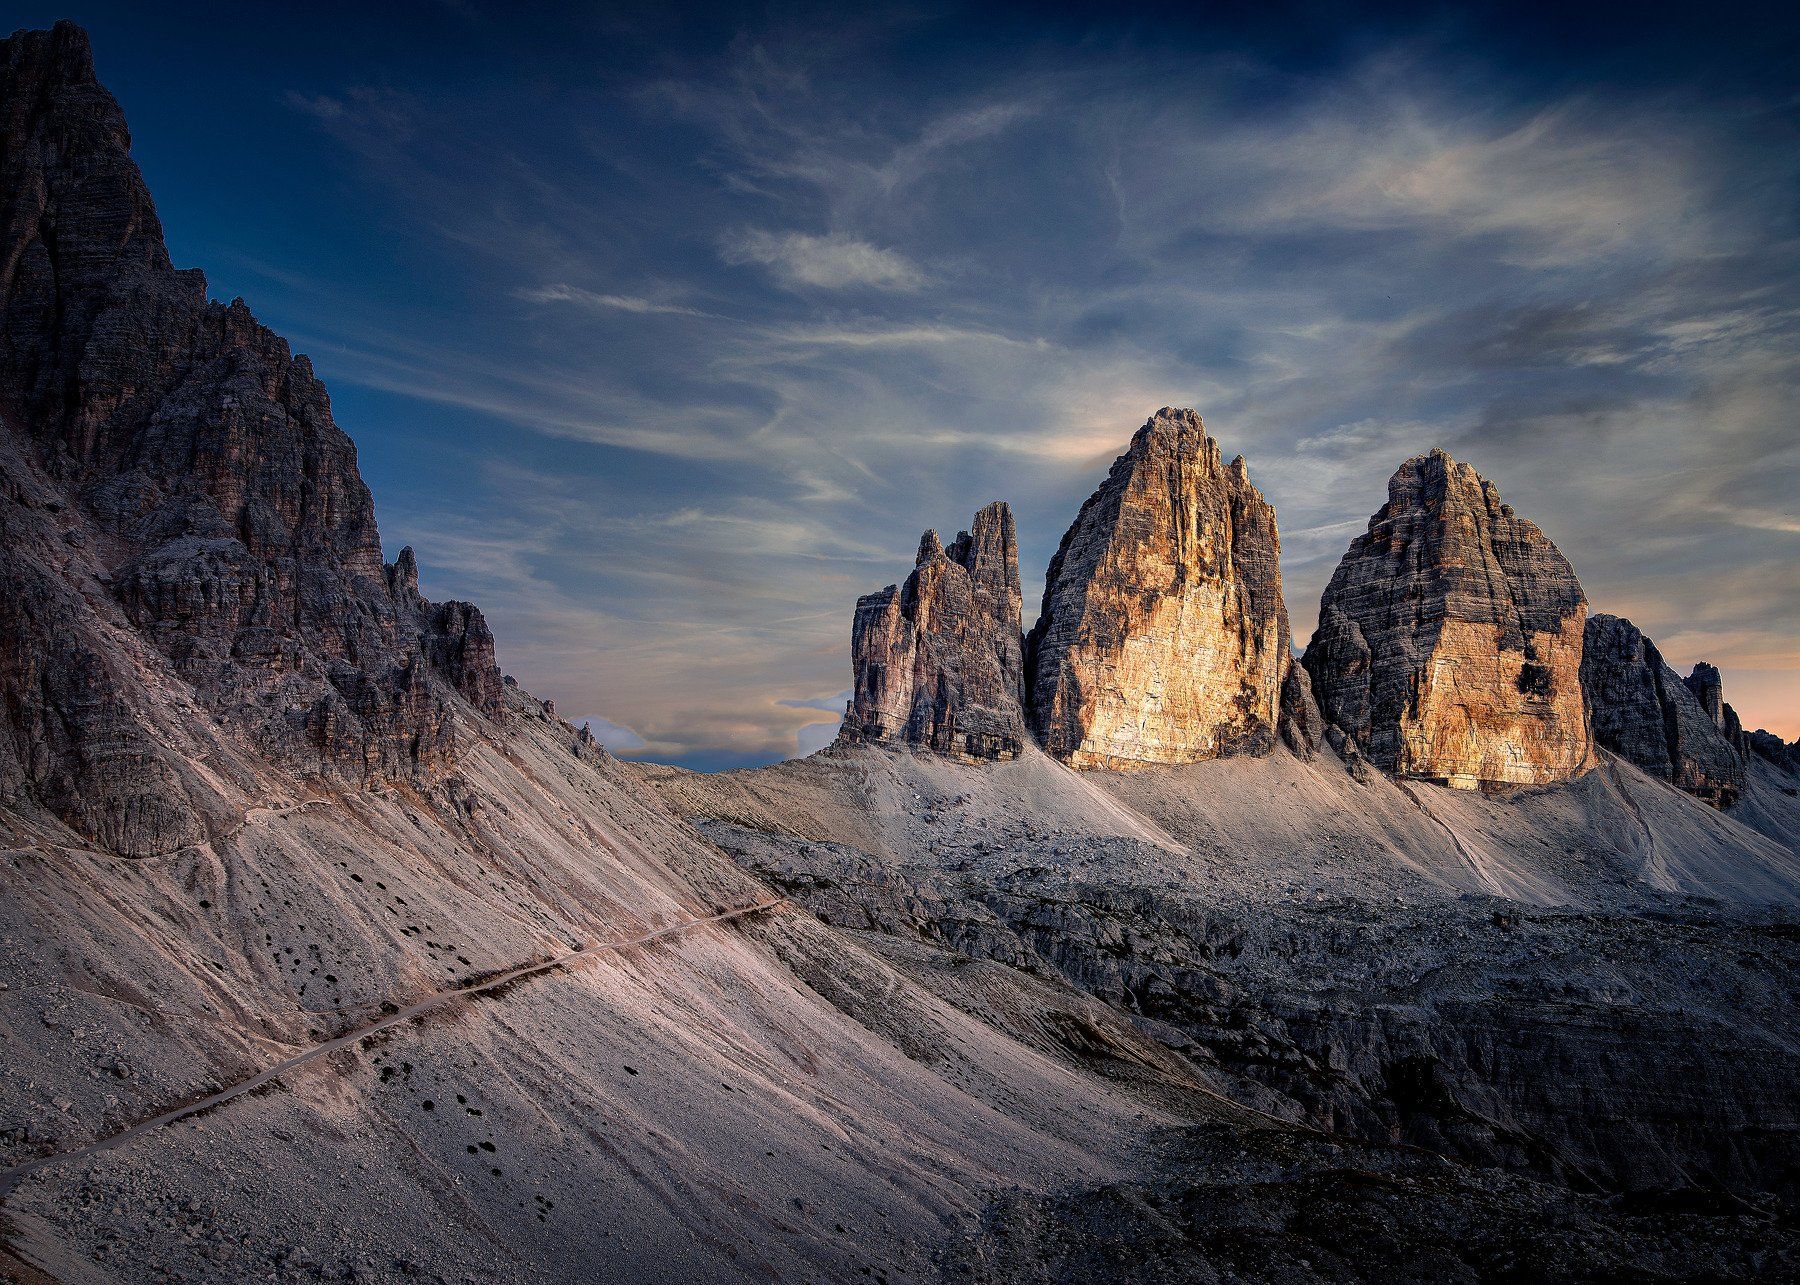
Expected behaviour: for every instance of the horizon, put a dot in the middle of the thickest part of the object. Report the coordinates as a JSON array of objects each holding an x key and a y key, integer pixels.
[{"x": 666, "y": 454}]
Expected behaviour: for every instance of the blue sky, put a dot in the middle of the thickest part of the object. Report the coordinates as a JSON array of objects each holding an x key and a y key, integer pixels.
[{"x": 663, "y": 333}]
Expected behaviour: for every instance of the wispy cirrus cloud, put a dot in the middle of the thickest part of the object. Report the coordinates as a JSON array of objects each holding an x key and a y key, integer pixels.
[
  {"x": 830, "y": 262},
  {"x": 564, "y": 293},
  {"x": 794, "y": 298}
]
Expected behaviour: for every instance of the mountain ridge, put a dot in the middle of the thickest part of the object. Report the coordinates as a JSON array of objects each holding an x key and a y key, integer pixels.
[{"x": 998, "y": 1020}]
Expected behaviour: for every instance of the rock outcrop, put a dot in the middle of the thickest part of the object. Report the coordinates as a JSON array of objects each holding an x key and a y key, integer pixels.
[
  {"x": 1709, "y": 689},
  {"x": 185, "y": 469},
  {"x": 1302, "y": 726},
  {"x": 1644, "y": 713},
  {"x": 937, "y": 659},
  {"x": 1450, "y": 637},
  {"x": 1783, "y": 755},
  {"x": 1163, "y": 636}
]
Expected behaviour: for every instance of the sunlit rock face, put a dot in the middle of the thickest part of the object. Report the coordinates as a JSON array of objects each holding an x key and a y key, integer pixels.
[
  {"x": 1163, "y": 637},
  {"x": 937, "y": 659},
  {"x": 1450, "y": 637},
  {"x": 1641, "y": 711}
]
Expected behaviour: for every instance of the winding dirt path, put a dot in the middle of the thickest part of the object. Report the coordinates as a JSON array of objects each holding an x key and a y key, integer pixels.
[{"x": 11, "y": 1178}]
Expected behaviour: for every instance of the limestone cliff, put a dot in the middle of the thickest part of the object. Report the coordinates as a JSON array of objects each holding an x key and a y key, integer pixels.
[
  {"x": 171, "y": 471},
  {"x": 1645, "y": 714},
  {"x": 937, "y": 660},
  {"x": 1163, "y": 636},
  {"x": 1450, "y": 637}
]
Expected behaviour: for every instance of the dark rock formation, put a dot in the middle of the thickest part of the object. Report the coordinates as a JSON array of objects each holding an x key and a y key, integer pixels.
[
  {"x": 1449, "y": 639},
  {"x": 1645, "y": 714},
  {"x": 1302, "y": 726},
  {"x": 1780, "y": 754},
  {"x": 195, "y": 486},
  {"x": 1163, "y": 636},
  {"x": 937, "y": 660},
  {"x": 1709, "y": 689},
  {"x": 454, "y": 637}
]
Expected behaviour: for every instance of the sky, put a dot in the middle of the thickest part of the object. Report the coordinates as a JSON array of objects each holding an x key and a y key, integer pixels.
[{"x": 664, "y": 332}]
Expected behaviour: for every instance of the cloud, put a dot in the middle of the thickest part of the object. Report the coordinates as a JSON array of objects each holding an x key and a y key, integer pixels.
[
  {"x": 830, "y": 262},
  {"x": 1562, "y": 183},
  {"x": 815, "y": 736},
  {"x": 563, "y": 293},
  {"x": 370, "y": 120},
  {"x": 1589, "y": 295},
  {"x": 889, "y": 336},
  {"x": 322, "y": 107},
  {"x": 833, "y": 704}
]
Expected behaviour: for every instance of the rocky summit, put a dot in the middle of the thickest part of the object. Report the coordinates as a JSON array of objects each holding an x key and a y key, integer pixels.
[
  {"x": 1450, "y": 637},
  {"x": 184, "y": 467},
  {"x": 1163, "y": 636},
  {"x": 936, "y": 660},
  {"x": 328, "y": 953},
  {"x": 1646, "y": 715}
]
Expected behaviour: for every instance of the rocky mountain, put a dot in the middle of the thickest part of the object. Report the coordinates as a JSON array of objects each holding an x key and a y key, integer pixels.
[
  {"x": 1586, "y": 983},
  {"x": 1163, "y": 636},
  {"x": 1646, "y": 715},
  {"x": 215, "y": 509},
  {"x": 330, "y": 954},
  {"x": 1450, "y": 637},
  {"x": 326, "y": 953},
  {"x": 936, "y": 661}
]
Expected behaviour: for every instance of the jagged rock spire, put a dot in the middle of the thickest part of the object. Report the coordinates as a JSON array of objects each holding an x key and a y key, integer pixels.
[
  {"x": 1449, "y": 640},
  {"x": 1646, "y": 715},
  {"x": 1163, "y": 636},
  {"x": 937, "y": 660}
]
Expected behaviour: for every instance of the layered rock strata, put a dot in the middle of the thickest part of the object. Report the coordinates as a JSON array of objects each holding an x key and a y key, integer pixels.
[
  {"x": 937, "y": 659},
  {"x": 1641, "y": 711},
  {"x": 196, "y": 491},
  {"x": 1163, "y": 636},
  {"x": 1450, "y": 637}
]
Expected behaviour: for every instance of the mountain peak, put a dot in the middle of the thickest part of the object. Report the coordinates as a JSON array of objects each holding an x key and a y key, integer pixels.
[
  {"x": 63, "y": 54},
  {"x": 1450, "y": 637},
  {"x": 231, "y": 528},
  {"x": 1163, "y": 637},
  {"x": 937, "y": 660}
]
